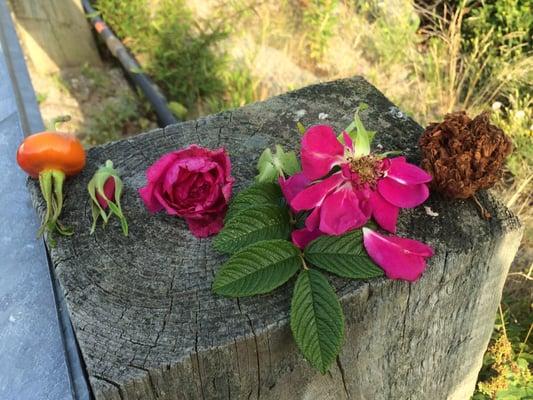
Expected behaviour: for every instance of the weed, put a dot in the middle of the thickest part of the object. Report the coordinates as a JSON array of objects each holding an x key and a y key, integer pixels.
[
  {"x": 183, "y": 56},
  {"x": 109, "y": 121},
  {"x": 319, "y": 19},
  {"x": 185, "y": 64},
  {"x": 505, "y": 373},
  {"x": 60, "y": 83},
  {"x": 130, "y": 20},
  {"x": 94, "y": 75},
  {"x": 41, "y": 97},
  {"x": 241, "y": 89}
]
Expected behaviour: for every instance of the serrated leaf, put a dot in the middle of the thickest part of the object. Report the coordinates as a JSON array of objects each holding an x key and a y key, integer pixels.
[
  {"x": 267, "y": 173},
  {"x": 317, "y": 322},
  {"x": 259, "y": 268},
  {"x": 253, "y": 225},
  {"x": 342, "y": 255},
  {"x": 266, "y": 168},
  {"x": 256, "y": 195}
]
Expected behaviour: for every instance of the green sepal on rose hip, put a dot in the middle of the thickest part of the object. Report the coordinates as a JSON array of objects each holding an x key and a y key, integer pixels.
[
  {"x": 51, "y": 157},
  {"x": 105, "y": 189}
]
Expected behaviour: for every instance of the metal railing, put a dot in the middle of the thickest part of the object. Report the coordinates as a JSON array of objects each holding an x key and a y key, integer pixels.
[{"x": 39, "y": 358}]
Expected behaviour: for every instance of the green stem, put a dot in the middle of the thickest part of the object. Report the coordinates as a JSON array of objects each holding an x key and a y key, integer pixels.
[
  {"x": 57, "y": 121},
  {"x": 304, "y": 264}
]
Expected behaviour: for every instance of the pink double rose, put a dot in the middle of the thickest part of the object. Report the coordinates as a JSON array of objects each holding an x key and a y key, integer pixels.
[{"x": 194, "y": 183}]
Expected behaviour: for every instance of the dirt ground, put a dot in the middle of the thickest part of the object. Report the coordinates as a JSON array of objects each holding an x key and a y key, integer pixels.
[{"x": 100, "y": 101}]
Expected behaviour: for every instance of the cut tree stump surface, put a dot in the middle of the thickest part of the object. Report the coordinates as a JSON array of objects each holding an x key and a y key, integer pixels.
[{"x": 149, "y": 327}]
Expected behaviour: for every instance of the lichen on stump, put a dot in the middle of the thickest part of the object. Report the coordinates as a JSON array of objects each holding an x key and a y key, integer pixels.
[{"x": 149, "y": 327}]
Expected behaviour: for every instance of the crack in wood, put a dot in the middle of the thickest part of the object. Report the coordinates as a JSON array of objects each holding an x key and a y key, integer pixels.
[
  {"x": 404, "y": 323},
  {"x": 150, "y": 379},
  {"x": 256, "y": 356},
  {"x": 197, "y": 357},
  {"x": 110, "y": 382},
  {"x": 343, "y": 377}
]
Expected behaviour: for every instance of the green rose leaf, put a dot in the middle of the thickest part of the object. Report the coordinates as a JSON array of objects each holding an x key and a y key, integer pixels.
[
  {"x": 253, "y": 196},
  {"x": 259, "y": 268},
  {"x": 252, "y": 225},
  {"x": 286, "y": 161},
  {"x": 271, "y": 165},
  {"x": 342, "y": 255},
  {"x": 317, "y": 322},
  {"x": 266, "y": 168}
]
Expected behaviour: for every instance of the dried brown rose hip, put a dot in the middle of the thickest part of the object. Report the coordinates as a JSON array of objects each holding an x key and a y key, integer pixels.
[{"x": 463, "y": 155}]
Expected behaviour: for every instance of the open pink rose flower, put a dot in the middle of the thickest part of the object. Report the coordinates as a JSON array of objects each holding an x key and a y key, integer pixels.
[
  {"x": 194, "y": 183},
  {"x": 290, "y": 187},
  {"x": 343, "y": 187},
  {"x": 363, "y": 186},
  {"x": 400, "y": 258}
]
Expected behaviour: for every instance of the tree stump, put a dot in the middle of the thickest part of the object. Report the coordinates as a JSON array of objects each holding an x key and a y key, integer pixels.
[{"x": 149, "y": 327}]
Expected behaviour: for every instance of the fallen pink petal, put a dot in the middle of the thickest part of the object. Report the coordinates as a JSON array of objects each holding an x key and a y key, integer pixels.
[{"x": 400, "y": 258}]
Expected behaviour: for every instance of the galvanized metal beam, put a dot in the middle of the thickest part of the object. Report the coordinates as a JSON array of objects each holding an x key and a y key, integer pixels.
[{"x": 38, "y": 351}]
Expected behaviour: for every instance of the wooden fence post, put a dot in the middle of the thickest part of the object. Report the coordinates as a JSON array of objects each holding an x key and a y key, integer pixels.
[
  {"x": 149, "y": 326},
  {"x": 55, "y": 34}
]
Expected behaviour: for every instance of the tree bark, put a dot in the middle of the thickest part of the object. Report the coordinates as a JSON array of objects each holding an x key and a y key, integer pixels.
[{"x": 149, "y": 326}]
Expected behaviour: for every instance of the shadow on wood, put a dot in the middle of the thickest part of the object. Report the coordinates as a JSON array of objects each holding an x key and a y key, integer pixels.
[{"x": 150, "y": 328}]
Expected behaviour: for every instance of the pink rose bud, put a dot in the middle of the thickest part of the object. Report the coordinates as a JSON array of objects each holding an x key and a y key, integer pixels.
[
  {"x": 109, "y": 192},
  {"x": 194, "y": 183},
  {"x": 105, "y": 189}
]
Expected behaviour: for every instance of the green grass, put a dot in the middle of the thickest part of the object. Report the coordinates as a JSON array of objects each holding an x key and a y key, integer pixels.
[
  {"x": 41, "y": 97},
  {"x": 183, "y": 55}
]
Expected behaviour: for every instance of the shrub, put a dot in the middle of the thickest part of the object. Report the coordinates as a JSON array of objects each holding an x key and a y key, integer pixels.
[
  {"x": 182, "y": 57},
  {"x": 505, "y": 374},
  {"x": 130, "y": 20}
]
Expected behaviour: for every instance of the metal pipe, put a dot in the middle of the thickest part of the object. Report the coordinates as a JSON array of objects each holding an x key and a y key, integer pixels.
[{"x": 131, "y": 66}]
